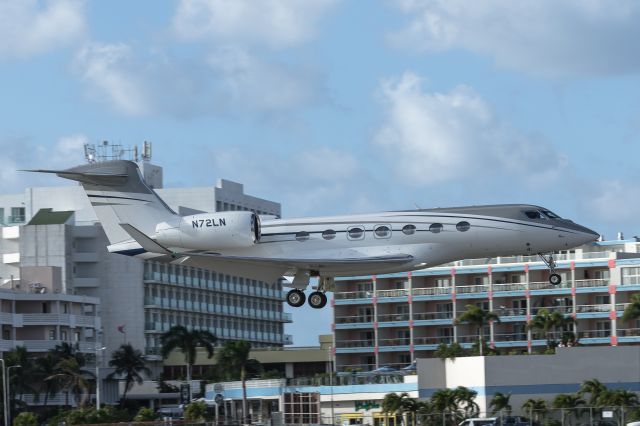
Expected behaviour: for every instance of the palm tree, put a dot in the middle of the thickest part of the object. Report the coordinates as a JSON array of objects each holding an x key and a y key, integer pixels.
[
  {"x": 595, "y": 389},
  {"x": 479, "y": 318},
  {"x": 444, "y": 402},
  {"x": 632, "y": 312},
  {"x": 395, "y": 404},
  {"x": 46, "y": 367},
  {"x": 72, "y": 378},
  {"x": 500, "y": 403},
  {"x": 179, "y": 337},
  {"x": 548, "y": 322},
  {"x": 233, "y": 358},
  {"x": 619, "y": 400},
  {"x": 569, "y": 403},
  {"x": 128, "y": 362},
  {"x": 20, "y": 378},
  {"x": 465, "y": 398},
  {"x": 537, "y": 408}
]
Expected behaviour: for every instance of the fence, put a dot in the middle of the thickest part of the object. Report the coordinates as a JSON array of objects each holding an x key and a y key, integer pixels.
[{"x": 579, "y": 416}]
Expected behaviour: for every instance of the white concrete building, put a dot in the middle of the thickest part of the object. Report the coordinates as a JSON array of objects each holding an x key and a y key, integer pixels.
[{"x": 56, "y": 226}]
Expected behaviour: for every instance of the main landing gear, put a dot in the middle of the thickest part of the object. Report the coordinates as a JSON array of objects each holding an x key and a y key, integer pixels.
[
  {"x": 317, "y": 299},
  {"x": 296, "y": 298},
  {"x": 554, "y": 278}
]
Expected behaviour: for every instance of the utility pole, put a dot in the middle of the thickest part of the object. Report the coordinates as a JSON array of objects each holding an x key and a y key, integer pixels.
[{"x": 98, "y": 350}]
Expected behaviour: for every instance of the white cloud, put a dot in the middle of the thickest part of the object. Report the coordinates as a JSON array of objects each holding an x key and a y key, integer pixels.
[
  {"x": 108, "y": 72},
  {"x": 272, "y": 23},
  {"x": 227, "y": 81},
  {"x": 547, "y": 37},
  {"x": 433, "y": 138},
  {"x": 249, "y": 83},
  {"x": 28, "y": 27}
]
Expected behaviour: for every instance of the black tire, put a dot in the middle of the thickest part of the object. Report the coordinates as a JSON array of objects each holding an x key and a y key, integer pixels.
[
  {"x": 296, "y": 298},
  {"x": 317, "y": 300},
  {"x": 555, "y": 279}
]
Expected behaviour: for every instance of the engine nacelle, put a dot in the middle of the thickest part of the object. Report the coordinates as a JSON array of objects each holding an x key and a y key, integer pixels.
[{"x": 210, "y": 231}]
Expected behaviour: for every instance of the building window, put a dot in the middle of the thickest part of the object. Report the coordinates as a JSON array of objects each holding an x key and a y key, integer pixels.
[
  {"x": 409, "y": 229},
  {"x": 382, "y": 231},
  {"x": 355, "y": 233},
  {"x": 463, "y": 226},
  {"x": 436, "y": 228},
  {"x": 630, "y": 276}
]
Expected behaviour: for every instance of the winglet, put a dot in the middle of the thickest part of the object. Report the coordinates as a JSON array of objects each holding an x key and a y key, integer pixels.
[{"x": 141, "y": 238}]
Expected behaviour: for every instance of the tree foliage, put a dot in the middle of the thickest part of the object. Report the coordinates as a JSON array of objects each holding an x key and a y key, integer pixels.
[
  {"x": 129, "y": 363},
  {"x": 479, "y": 318}
]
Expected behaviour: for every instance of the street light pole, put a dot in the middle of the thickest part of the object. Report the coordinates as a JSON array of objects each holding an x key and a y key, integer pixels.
[
  {"x": 4, "y": 393},
  {"x": 97, "y": 350}
]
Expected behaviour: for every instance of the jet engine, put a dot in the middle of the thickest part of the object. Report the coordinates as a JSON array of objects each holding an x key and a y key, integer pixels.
[{"x": 210, "y": 231}]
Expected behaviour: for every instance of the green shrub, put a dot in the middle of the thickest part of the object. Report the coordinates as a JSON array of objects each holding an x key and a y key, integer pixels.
[
  {"x": 145, "y": 415},
  {"x": 25, "y": 419},
  {"x": 195, "y": 412}
]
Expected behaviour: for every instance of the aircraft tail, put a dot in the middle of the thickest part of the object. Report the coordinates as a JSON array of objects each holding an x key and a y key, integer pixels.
[{"x": 118, "y": 195}]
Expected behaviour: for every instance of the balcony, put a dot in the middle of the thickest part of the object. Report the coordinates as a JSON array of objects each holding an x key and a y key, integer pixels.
[
  {"x": 433, "y": 316},
  {"x": 509, "y": 287},
  {"x": 350, "y": 295},
  {"x": 431, "y": 291},
  {"x": 470, "y": 289},
  {"x": 510, "y": 337},
  {"x": 432, "y": 340},
  {"x": 393, "y": 317},
  {"x": 354, "y": 344},
  {"x": 603, "y": 282},
  {"x": 355, "y": 319},
  {"x": 392, "y": 293},
  {"x": 394, "y": 342},
  {"x": 566, "y": 310},
  {"x": 594, "y": 334},
  {"x": 13, "y": 220},
  {"x": 582, "y": 309},
  {"x": 287, "y": 339},
  {"x": 629, "y": 332}
]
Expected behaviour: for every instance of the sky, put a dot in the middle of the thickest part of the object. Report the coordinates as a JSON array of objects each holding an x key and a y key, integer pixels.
[{"x": 338, "y": 106}]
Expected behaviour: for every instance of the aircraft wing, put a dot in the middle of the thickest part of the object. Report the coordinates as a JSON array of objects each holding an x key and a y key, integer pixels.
[{"x": 267, "y": 268}]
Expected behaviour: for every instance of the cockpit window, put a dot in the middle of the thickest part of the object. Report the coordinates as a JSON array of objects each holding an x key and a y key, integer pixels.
[
  {"x": 534, "y": 214},
  {"x": 551, "y": 214}
]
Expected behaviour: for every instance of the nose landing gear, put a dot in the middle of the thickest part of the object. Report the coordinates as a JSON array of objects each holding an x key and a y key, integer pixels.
[{"x": 554, "y": 278}]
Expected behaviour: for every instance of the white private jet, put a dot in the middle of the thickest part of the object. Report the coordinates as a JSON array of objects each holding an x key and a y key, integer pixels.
[{"x": 138, "y": 223}]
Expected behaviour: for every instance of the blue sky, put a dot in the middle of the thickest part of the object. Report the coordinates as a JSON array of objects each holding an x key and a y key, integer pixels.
[{"x": 336, "y": 106}]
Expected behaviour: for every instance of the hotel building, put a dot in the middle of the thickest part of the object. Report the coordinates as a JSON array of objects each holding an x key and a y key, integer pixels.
[{"x": 394, "y": 319}]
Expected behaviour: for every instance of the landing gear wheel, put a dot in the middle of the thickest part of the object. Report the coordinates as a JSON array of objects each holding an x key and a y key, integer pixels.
[
  {"x": 317, "y": 300},
  {"x": 295, "y": 298},
  {"x": 555, "y": 279}
]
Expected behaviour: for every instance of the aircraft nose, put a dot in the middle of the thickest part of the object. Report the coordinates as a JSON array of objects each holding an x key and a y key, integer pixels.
[{"x": 589, "y": 235}]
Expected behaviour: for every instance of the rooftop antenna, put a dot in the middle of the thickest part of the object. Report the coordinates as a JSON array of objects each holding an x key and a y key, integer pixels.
[{"x": 146, "y": 151}]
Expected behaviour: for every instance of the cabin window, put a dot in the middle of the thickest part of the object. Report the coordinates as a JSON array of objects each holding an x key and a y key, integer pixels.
[
  {"x": 463, "y": 226},
  {"x": 409, "y": 229},
  {"x": 355, "y": 233},
  {"x": 435, "y": 228},
  {"x": 302, "y": 236},
  {"x": 382, "y": 231},
  {"x": 329, "y": 234}
]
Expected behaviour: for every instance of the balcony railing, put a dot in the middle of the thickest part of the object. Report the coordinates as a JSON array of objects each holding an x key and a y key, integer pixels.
[
  {"x": 472, "y": 289},
  {"x": 601, "y": 282},
  {"x": 629, "y": 332},
  {"x": 405, "y": 341},
  {"x": 354, "y": 343},
  {"x": 354, "y": 295},
  {"x": 509, "y": 287},
  {"x": 358, "y": 319},
  {"x": 562, "y": 309},
  {"x": 431, "y": 291},
  {"x": 393, "y": 293},
  {"x": 432, "y": 340},
  {"x": 430, "y": 316},
  {"x": 581, "y": 309},
  {"x": 588, "y": 334},
  {"x": 510, "y": 337},
  {"x": 393, "y": 317},
  {"x": 511, "y": 312}
]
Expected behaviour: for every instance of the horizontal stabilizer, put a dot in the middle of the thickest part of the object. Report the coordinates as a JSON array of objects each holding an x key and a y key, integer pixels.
[{"x": 145, "y": 242}]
